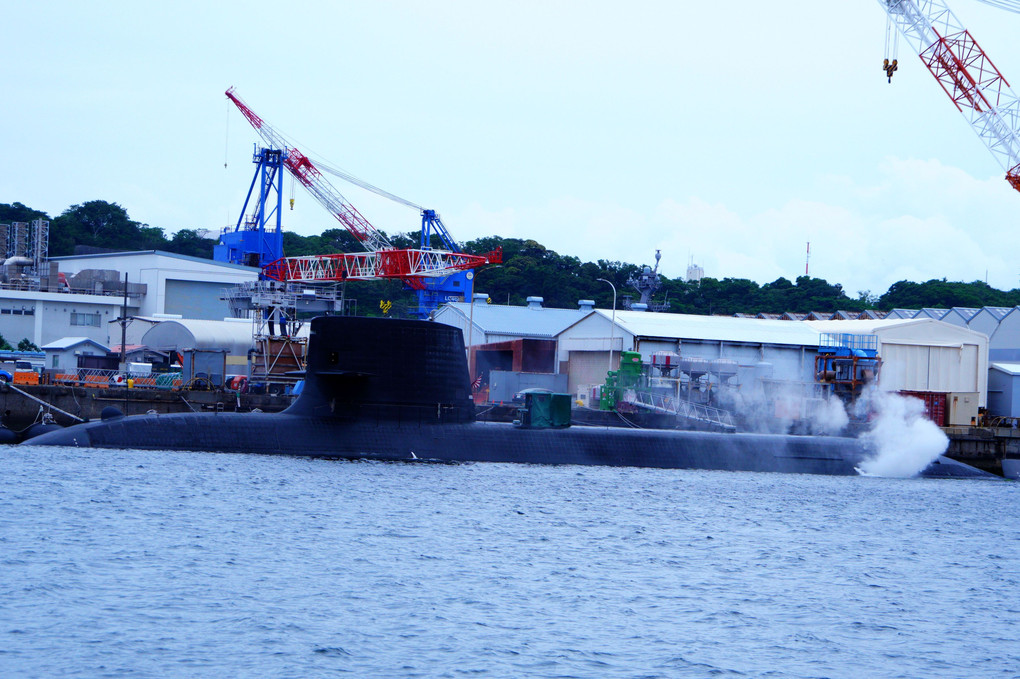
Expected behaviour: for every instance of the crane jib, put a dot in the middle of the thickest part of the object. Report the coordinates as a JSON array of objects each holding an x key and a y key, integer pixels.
[
  {"x": 382, "y": 261},
  {"x": 967, "y": 75}
]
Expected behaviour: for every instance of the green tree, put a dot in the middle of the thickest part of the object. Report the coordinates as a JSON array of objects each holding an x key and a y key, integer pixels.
[
  {"x": 96, "y": 223},
  {"x": 188, "y": 242},
  {"x": 27, "y": 345},
  {"x": 16, "y": 212},
  {"x": 99, "y": 219},
  {"x": 944, "y": 294}
]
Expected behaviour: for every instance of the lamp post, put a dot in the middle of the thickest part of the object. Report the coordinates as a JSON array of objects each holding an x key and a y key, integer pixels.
[
  {"x": 471, "y": 315},
  {"x": 471, "y": 319},
  {"x": 612, "y": 328}
]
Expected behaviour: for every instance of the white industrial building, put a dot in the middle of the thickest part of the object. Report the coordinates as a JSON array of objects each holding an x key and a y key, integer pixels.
[
  {"x": 174, "y": 284},
  {"x": 43, "y": 317},
  {"x": 925, "y": 355},
  {"x": 89, "y": 294},
  {"x": 918, "y": 354},
  {"x": 1004, "y": 389},
  {"x": 788, "y": 347},
  {"x": 234, "y": 336},
  {"x": 484, "y": 323},
  {"x": 1000, "y": 324}
]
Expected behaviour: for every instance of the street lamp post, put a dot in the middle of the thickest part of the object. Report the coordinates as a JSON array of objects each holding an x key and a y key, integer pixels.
[
  {"x": 612, "y": 328},
  {"x": 471, "y": 320},
  {"x": 471, "y": 309}
]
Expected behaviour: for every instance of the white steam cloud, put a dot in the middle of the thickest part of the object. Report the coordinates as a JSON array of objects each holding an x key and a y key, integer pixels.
[
  {"x": 829, "y": 416},
  {"x": 787, "y": 409},
  {"x": 904, "y": 440}
]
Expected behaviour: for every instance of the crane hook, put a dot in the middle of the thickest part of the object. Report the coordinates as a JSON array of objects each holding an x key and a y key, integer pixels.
[{"x": 890, "y": 68}]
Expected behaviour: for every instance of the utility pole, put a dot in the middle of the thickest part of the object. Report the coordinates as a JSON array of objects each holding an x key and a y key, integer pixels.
[
  {"x": 612, "y": 326},
  {"x": 124, "y": 320}
]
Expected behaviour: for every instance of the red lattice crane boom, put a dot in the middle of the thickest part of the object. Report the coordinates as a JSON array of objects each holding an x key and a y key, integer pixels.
[
  {"x": 977, "y": 88},
  {"x": 382, "y": 259}
]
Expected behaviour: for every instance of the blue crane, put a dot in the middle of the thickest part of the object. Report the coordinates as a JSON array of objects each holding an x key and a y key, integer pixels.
[{"x": 257, "y": 240}]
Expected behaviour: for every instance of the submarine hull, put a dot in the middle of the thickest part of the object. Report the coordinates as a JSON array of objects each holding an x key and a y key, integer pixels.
[
  {"x": 384, "y": 389},
  {"x": 285, "y": 434}
]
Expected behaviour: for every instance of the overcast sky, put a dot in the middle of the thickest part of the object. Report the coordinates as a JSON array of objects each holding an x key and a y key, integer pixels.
[{"x": 727, "y": 133}]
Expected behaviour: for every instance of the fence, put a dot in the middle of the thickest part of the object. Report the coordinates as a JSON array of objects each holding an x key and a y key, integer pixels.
[{"x": 103, "y": 379}]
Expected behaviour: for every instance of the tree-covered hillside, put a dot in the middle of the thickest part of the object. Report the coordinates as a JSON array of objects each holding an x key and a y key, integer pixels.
[
  {"x": 100, "y": 224},
  {"x": 528, "y": 269}
]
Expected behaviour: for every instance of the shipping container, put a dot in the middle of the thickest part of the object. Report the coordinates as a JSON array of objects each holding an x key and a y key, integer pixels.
[{"x": 935, "y": 405}]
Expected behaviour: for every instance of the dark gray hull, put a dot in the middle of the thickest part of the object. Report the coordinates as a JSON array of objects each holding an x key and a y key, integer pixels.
[
  {"x": 277, "y": 434},
  {"x": 380, "y": 389}
]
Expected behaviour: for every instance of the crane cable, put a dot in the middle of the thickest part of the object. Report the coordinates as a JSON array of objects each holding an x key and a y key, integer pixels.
[
  {"x": 892, "y": 39},
  {"x": 324, "y": 166},
  {"x": 365, "y": 185},
  {"x": 226, "y": 137},
  {"x": 1009, "y": 5}
]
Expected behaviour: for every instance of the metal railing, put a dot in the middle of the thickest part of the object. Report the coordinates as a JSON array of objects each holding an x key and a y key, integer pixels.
[
  {"x": 104, "y": 379},
  {"x": 679, "y": 407},
  {"x": 34, "y": 285},
  {"x": 836, "y": 340}
]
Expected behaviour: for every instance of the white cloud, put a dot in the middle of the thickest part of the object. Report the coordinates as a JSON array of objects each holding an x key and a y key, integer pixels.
[
  {"x": 914, "y": 222},
  {"x": 604, "y": 136}
]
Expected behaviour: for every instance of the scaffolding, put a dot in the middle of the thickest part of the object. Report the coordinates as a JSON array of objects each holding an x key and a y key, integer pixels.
[
  {"x": 17, "y": 245},
  {"x": 39, "y": 242},
  {"x": 276, "y": 309}
]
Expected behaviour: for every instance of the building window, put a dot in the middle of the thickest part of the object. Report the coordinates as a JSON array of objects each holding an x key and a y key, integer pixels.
[{"x": 78, "y": 318}]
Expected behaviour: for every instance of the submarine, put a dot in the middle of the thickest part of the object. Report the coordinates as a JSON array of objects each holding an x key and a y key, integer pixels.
[{"x": 399, "y": 390}]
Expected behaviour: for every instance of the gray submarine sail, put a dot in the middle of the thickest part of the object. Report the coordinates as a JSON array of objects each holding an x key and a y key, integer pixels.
[{"x": 386, "y": 389}]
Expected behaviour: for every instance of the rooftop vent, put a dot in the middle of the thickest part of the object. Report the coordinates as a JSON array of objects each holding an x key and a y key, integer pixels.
[
  {"x": 481, "y": 297},
  {"x": 638, "y": 306},
  {"x": 535, "y": 302},
  {"x": 586, "y": 304}
]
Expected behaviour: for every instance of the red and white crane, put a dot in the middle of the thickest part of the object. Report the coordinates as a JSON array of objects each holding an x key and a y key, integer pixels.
[
  {"x": 381, "y": 259},
  {"x": 977, "y": 88}
]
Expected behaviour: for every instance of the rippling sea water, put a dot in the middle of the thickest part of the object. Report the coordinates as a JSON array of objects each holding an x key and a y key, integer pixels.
[{"x": 156, "y": 564}]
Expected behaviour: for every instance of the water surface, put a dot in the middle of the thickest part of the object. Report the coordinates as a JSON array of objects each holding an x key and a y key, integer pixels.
[{"x": 151, "y": 563}]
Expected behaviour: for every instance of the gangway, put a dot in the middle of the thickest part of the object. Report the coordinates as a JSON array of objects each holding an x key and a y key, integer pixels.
[{"x": 681, "y": 408}]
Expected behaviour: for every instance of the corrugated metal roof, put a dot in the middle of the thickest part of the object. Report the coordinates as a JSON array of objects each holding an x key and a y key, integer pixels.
[
  {"x": 718, "y": 328},
  {"x": 863, "y": 326},
  {"x": 999, "y": 312},
  {"x": 966, "y": 313},
  {"x": 1008, "y": 368},
  {"x": 902, "y": 313},
  {"x": 517, "y": 320},
  {"x": 937, "y": 314},
  {"x": 69, "y": 342},
  {"x": 212, "y": 263}
]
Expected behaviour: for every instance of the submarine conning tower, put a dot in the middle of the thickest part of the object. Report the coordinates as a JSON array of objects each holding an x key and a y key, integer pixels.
[{"x": 385, "y": 369}]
